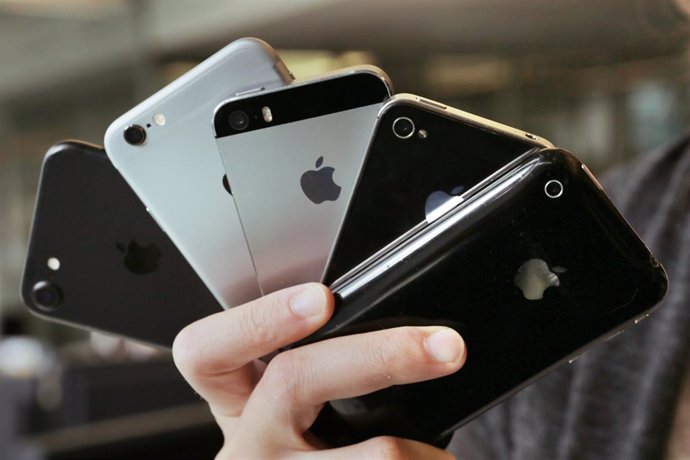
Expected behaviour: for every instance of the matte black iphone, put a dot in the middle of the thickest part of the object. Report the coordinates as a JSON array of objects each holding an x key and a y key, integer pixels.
[
  {"x": 531, "y": 268},
  {"x": 98, "y": 260},
  {"x": 421, "y": 155}
]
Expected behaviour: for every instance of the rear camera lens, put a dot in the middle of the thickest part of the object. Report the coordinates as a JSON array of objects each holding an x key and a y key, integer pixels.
[
  {"x": 238, "y": 120},
  {"x": 135, "y": 135},
  {"x": 553, "y": 189},
  {"x": 46, "y": 295},
  {"x": 403, "y": 127}
]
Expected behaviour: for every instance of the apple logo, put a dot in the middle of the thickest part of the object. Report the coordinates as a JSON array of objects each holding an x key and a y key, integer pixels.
[
  {"x": 534, "y": 277},
  {"x": 140, "y": 259},
  {"x": 318, "y": 184},
  {"x": 435, "y": 202}
]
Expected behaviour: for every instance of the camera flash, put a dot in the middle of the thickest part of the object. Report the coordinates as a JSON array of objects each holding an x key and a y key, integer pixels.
[
  {"x": 159, "y": 119},
  {"x": 266, "y": 112},
  {"x": 53, "y": 263},
  {"x": 423, "y": 133}
]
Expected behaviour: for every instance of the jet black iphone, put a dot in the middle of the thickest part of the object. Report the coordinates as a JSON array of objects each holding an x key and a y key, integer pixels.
[
  {"x": 531, "y": 268},
  {"x": 98, "y": 260},
  {"x": 421, "y": 155}
]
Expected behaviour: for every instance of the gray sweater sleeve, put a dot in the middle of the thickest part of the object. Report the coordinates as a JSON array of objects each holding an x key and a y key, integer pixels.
[{"x": 617, "y": 401}]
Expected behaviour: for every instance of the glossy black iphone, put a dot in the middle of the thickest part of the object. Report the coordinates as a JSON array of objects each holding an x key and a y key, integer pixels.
[
  {"x": 98, "y": 260},
  {"x": 530, "y": 269},
  {"x": 422, "y": 154}
]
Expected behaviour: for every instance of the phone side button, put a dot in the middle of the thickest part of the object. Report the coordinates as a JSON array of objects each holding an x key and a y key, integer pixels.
[
  {"x": 641, "y": 318},
  {"x": 572, "y": 360},
  {"x": 615, "y": 334},
  {"x": 432, "y": 103},
  {"x": 249, "y": 91}
]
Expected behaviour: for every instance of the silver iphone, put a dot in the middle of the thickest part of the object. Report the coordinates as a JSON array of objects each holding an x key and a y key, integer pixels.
[
  {"x": 165, "y": 149},
  {"x": 292, "y": 157}
]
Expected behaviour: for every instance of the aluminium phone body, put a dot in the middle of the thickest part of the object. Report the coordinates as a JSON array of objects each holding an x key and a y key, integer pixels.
[
  {"x": 94, "y": 246},
  {"x": 407, "y": 178},
  {"x": 292, "y": 172},
  {"x": 531, "y": 269},
  {"x": 176, "y": 172}
]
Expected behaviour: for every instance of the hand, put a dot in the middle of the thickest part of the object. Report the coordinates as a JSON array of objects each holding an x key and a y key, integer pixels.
[{"x": 265, "y": 411}]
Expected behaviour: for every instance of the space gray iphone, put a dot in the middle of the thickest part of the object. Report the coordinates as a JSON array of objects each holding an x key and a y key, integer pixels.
[
  {"x": 165, "y": 150},
  {"x": 292, "y": 157}
]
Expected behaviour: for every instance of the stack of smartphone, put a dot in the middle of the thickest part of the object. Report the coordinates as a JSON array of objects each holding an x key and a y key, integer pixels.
[{"x": 234, "y": 181}]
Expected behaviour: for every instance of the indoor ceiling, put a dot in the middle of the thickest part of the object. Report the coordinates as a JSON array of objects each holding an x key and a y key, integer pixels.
[
  {"x": 505, "y": 27},
  {"x": 54, "y": 40}
]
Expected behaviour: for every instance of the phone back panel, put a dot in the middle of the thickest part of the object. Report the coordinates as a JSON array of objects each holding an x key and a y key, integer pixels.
[
  {"x": 403, "y": 180},
  {"x": 119, "y": 273},
  {"x": 177, "y": 172},
  {"x": 292, "y": 181},
  {"x": 529, "y": 280}
]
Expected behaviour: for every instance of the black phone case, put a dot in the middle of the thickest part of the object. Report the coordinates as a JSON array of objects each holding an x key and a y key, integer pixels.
[
  {"x": 463, "y": 270},
  {"x": 119, "y": 273},
  {"x": 402, "y": 179}
]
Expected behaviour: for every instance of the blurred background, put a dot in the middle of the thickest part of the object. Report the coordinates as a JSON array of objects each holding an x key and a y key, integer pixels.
[{"x": 606, "y": 79}]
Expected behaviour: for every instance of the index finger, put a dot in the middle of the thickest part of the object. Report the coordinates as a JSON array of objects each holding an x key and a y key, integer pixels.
[
  {"x": 298, "y": 382},
  {"x": 213, "y": 354}
]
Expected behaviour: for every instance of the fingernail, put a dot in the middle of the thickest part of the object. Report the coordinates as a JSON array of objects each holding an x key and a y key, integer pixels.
[
  {"x": 309, "y": 303},
  {"x": 444, "y": 346}
]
